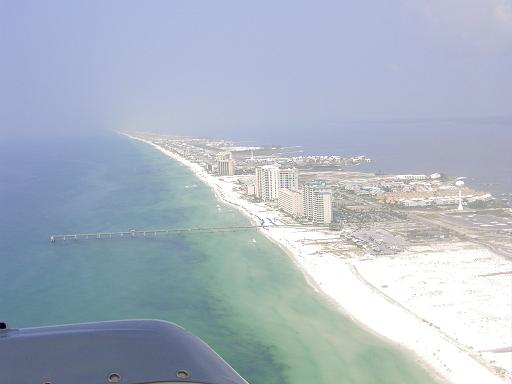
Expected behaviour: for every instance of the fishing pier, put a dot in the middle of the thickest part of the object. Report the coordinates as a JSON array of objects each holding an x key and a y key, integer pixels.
[{"x": 133, "y": 233}]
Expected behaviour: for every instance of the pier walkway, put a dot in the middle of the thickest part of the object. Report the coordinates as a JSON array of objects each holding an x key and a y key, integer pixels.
[{"x": 154, "y": 232}]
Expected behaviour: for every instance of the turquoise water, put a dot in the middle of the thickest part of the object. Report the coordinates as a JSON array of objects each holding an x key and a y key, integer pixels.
[{"x": 237, "y": 291}]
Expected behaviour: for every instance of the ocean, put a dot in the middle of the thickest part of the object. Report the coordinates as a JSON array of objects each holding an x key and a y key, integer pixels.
[{"x": 237, "y": 291}]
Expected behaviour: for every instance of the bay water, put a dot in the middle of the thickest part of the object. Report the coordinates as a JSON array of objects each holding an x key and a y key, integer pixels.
[{"x": 477, "y": 149}]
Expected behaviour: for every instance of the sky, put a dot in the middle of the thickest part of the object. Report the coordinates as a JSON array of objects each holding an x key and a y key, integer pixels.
[{"x": 213, "y": 68}]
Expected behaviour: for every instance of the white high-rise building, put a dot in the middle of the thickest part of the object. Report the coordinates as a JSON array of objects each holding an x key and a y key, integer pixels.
[
  {"x": 270, "y": 179},
  {"x": 267, "y": 182},
  {"x": 225, "y": 164},
  {"x": 289, "y": 178},
  {"x": 317, "y": 202},
  {"x": 291, "y": 202}
]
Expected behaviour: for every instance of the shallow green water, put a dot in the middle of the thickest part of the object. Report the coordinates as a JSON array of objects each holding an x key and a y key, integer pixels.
[{"x": 237, "y": 291}]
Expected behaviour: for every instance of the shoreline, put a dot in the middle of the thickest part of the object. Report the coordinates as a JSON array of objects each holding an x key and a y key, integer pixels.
[{"x": 340, "y": 283}]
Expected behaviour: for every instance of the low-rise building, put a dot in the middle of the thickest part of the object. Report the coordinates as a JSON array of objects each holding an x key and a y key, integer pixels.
[
  {"x": 250, "y": 189},
  {"x": 442, "y": 196},
  {"x": 411, "y": 177}
]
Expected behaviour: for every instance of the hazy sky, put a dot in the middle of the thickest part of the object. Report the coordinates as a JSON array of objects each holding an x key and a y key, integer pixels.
[{"x": 213, "y": 67}]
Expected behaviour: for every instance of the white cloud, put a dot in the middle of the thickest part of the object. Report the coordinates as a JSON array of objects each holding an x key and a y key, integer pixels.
[
  {"x": 481, "y": 24},
  {"x": 503, "y": 11}
]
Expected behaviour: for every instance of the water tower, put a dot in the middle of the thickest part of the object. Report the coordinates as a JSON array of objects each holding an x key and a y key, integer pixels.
[{"x": 459, "y": 183}]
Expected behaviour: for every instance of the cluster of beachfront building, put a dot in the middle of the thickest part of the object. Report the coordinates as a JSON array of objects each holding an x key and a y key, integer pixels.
[
  {"x": 276, "y": 182},
  {"x": 273, "y": 183},
  {"x": 279, "y": 184}
]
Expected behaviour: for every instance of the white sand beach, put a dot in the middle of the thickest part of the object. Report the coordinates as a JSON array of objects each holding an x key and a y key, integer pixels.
[{"x": 450, "y": 307}]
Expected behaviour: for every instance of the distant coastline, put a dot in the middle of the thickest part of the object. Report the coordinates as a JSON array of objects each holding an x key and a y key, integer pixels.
[{"x": 344, "y": 286}]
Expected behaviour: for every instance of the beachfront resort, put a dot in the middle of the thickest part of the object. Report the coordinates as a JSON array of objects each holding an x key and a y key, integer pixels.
[{"x": 421, "y": 259}]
